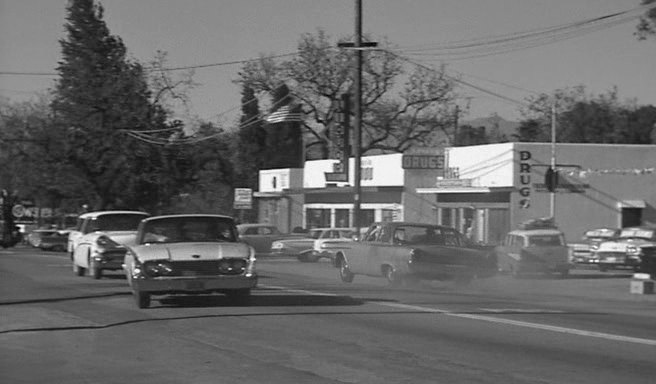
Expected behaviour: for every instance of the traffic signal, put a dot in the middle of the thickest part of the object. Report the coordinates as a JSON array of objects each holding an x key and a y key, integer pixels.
[{"x": 551, "y": 179}]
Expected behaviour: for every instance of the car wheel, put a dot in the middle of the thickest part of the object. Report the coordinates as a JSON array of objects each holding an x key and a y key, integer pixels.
[
  {"x": 142, "y": 299},
  {"x": 77, "y": 270},
  {"x": 240, "y": 296},
  {"x": 344, "y": 272},
  {"x": 302, "y": 258},
  {"x": 312, "y": 258},
  {"x": 392, "y": 276},
  {"x": 94, "y": 270}
]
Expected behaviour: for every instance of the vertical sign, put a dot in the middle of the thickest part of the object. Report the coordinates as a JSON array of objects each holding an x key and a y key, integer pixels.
[{"x": 340, "y": 137}]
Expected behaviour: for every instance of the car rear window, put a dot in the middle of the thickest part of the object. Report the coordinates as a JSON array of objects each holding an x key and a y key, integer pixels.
[{"x": 545, "y": 240}]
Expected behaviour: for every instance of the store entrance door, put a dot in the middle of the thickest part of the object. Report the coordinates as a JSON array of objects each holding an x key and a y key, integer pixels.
[{"x": 631, "y": 217}]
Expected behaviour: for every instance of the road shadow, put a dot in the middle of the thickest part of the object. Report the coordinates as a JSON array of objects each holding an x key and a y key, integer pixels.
[{"x": 217, "y": 300}]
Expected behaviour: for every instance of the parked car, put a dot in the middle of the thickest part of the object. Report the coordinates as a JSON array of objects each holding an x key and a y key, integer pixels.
[
  {"x": 35, "y": 237},
  {"x": 56, "y": 241},
  {"x": 309, "y": 248},
  {"x": 534, "y": 248},
  {"x": 189, "y": 254},
  {"x": 406, "y": 252},
  {"x": 626, "y": 250},
  {"x": 98, "y": 241},
  {"x": 261, "y": 236},
  {"x": 583, "y": 253}
]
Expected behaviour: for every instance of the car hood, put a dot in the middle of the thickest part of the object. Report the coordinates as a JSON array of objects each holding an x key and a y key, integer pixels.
[
  {"x": 121, "y": 237},
  {"x": 191, "y": 251}
]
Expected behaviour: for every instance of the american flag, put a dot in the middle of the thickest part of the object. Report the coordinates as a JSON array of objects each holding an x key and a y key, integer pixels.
[{"x": 283, "y": 114}]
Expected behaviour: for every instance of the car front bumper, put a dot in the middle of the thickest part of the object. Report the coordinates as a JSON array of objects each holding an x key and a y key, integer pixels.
[{"x": 194, "y": 284}]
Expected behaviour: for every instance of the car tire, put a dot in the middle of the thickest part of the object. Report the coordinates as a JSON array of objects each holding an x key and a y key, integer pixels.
[
  {"x": 302, "y": 258},
  {"x": 77, "y": 270},
  {"x": 345, "y": 273},
  {"x": 94, "y": 271},
  {"x": 142, "y": 299},
  {"x": 392, "y": 276}
]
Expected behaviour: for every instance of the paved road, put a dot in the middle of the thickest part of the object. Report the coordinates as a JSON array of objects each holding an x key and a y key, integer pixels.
[{"x": 305, "y": 326}]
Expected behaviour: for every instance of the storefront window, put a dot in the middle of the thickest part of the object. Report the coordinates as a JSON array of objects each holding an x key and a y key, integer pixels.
[
  {"x": 342, "y": 219},
  {"x": 387, "y": 215},
  {"x": 318, "y": 218},
  {"x": 446, "y": 217}
]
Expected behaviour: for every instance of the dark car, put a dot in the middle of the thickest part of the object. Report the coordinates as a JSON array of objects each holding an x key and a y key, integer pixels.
[
  {"x": 261, "y": 236},
  {"x": 55, "y": 241},
  {"x": 404, "y": 251}
]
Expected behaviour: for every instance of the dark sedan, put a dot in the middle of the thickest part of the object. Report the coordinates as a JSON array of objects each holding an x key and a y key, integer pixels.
[{"x": 402, "y": 251}]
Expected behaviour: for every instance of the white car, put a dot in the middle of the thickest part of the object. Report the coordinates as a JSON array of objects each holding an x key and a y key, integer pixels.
[
  {"x": 626, "y": 250},
  {"x": 189, "y": 254},
  {"x": 98, "y": 241}
]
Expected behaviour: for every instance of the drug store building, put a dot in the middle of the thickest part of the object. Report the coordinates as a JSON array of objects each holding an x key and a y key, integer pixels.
[{"x": 483, "y": 190}]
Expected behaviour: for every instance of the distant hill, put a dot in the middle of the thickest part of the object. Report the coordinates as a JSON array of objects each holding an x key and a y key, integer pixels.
[{"x": 492, "y": 123}]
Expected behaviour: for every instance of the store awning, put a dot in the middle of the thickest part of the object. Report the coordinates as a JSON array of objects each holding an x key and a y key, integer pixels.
[
  {"x": 631, "y": 204},
  {"x": 453, "y": 190}
]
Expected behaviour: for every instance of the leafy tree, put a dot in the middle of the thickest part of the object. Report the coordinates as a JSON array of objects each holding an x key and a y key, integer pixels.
[
  {"x": 319, "y": 74},
  {"x": 251, "y": 141},
  {"x": 582, "y": 118},
  {"x": 99, "y": 97},
  {"x": 647, "y": 25}
]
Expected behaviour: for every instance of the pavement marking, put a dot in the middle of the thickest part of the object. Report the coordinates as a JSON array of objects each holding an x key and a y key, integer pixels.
[{"x": 489, "y": 319}]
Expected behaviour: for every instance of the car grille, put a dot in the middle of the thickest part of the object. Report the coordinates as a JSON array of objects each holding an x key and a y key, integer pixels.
[
  {"x": 611, "y": 255},
  {"x": 226, "y": 266}
]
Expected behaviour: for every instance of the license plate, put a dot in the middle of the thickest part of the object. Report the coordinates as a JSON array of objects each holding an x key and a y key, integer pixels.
[{"x": 194, "y": 285}]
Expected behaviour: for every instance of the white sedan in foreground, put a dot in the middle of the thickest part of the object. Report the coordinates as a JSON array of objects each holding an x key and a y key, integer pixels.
[{"x": 189, "y": 254}]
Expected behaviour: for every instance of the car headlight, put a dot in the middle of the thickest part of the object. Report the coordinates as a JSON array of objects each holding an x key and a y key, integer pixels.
[
  {"x": 632, "y": 250},
  {"x": 594, "y": 247},
  {"x": 157, "y": 268},
  {"x": 276, "y": 245}
]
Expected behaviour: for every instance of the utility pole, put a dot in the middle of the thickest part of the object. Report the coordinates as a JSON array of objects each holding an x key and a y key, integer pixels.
[
  {"x": 357, "y": 132},
  {"x": 552, "y": 205}
]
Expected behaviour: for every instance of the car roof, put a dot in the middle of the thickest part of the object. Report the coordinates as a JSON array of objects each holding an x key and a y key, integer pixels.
[
  {"x": 252, "y": 225},
  {"x": 543, "y": 231},
  {"x": 412, "y": 223},
  {"x": 181, "y": 215},
  {"x": 332, "y": 229},
  {"x": 101, "y": 213}
]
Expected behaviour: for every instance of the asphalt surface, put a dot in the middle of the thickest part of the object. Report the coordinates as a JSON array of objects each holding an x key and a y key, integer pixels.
[{"x": 305, "y": 326}]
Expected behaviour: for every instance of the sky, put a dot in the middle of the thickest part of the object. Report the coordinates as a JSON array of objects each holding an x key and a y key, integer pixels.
[{"x": 200, "y": 32}]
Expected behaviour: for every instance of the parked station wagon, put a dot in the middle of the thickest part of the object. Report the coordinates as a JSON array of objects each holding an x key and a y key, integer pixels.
[
  {"x": 534, "y": 250},
  {"x": 404, "y": 251}
]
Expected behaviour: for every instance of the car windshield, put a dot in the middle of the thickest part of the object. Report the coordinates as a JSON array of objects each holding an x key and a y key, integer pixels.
[
  {"x": 545, "y": 240},
  {"x": 419, "y": 234},
  {"x": 315, "y": 234},
  {"x": 188, "y": 229},
  {"x": 118, "y": 222},
  {"x": 644, "y": 234}
]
